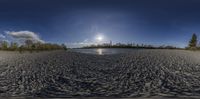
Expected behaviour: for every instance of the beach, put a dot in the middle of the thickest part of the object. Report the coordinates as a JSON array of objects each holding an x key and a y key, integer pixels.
[{"x": 140, "y": 73}]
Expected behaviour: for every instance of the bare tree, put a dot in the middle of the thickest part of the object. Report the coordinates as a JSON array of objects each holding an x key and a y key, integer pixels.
[
  {"x": 13, "y": 46},
  {"x": 4, "y": 45},
  {"x": 28, "y": 43}
]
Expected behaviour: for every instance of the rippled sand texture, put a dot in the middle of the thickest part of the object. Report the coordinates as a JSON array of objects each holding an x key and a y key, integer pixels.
[{"x": 70, "y": 74}]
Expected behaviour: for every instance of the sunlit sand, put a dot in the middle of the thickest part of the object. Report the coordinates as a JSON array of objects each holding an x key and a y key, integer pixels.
[{"x": 141, "y": 73}]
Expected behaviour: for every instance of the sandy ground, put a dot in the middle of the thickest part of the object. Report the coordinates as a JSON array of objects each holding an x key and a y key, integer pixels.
[{"x": 141, "y": 73}]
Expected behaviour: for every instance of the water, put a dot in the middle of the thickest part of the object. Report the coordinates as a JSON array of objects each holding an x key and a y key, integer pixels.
[{"x": 104, "y": 51}]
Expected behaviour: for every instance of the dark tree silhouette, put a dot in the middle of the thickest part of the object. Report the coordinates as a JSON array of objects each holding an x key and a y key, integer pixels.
[{"x": 193, "y": 41}]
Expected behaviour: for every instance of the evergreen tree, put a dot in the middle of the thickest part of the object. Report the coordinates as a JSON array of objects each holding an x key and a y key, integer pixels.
[{"x": 193, "y": 41}]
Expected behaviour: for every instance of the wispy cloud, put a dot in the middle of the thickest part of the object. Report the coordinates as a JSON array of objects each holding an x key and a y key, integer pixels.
[
  {"x": 25, "y": 35},
  {"x": 86, "y": 42},
  {"x": 2, "y": 36}
]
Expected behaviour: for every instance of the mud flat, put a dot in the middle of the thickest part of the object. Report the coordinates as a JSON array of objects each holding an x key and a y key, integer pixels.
[{"x": 140, "y": 73}]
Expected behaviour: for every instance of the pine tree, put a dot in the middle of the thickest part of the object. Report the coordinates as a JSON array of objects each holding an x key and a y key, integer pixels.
[{"x": 193, "y": 41}]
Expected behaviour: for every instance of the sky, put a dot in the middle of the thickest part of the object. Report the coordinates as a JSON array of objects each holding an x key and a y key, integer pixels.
[{"x": 80, "y": 22}]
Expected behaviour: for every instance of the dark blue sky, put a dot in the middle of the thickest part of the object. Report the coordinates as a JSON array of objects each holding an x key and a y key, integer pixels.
[{"x": 77, "y": 22}]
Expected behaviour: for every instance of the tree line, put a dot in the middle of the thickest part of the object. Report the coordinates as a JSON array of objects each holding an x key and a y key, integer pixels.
[
  {"x": 193, "y": 45},
  {"x": 29, "y": 45},
  {"x": 131, "y": 45}
]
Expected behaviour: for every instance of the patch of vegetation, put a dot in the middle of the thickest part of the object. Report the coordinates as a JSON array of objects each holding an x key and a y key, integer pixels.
[{"x": 29, "y": 45}]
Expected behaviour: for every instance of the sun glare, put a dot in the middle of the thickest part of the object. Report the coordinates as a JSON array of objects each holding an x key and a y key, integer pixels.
[{"x": 99, "y": 37}]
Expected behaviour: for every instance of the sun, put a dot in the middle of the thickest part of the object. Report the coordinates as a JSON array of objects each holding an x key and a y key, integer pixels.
[{"x": 99, "y": 37}]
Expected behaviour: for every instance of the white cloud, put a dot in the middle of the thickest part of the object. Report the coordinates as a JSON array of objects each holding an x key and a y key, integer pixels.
[{"x": 25, "y": 35}]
